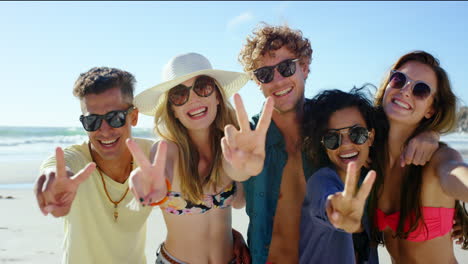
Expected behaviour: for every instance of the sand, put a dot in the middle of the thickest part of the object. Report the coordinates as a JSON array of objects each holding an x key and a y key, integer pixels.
[{"x": 26, "y": 236}]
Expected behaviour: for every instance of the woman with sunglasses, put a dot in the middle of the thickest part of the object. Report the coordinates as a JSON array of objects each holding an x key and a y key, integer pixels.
[
  {"x": 338, "y": 137},
  {"x": 190, "y": 178},
  {"x": 414, "y": 206}
]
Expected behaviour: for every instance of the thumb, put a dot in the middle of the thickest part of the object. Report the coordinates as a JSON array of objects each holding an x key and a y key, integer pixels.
[
  {"x": 402, "y": 160},
  {"x": 84, "y": 174}
]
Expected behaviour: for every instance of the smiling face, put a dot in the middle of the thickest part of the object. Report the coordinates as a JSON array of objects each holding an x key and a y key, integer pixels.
[
  {"x": 287, "y": 92},
  {"x": 109, "y": 142},
  {"x": 348, "y": 151},
  {"x": 401, "y": 105},
  {"x": 198, "y": 112}
]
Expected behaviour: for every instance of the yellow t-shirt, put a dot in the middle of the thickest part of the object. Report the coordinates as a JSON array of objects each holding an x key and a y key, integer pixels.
[{"x": 91, "y": 234}]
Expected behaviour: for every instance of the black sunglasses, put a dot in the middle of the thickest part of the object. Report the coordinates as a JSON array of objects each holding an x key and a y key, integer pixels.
[
  {"x": 203, "y": 86},
  {"x": 115, "y": 119},
  {"x": 398, "y": 80},
  {"x": 357, "y": 134},
  {"x": 266, "y": 74}
]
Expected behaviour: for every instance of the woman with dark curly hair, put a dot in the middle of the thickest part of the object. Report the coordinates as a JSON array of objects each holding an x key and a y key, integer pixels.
[{"x": 339, "y": 136}]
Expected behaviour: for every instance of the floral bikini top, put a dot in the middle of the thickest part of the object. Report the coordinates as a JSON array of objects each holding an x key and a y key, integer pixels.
[{"x": 177, "y": 205}]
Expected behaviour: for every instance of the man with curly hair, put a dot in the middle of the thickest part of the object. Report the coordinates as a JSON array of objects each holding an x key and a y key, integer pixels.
[
  {"x": 87, "y": 185},
  {"x": 277, "y": 59}
]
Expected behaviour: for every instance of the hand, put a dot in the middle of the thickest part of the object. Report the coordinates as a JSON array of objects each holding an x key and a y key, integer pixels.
[
  {"x": 420, "y": 149},
  {"x": 56, "y": 189},
  {"x": 241, "y": 251},
  {"x": 148, "y": 181},
  {"x": 345, "y": 209},
  {"x": 244, "y": 149},
  {"x": 457, "y": 231}
]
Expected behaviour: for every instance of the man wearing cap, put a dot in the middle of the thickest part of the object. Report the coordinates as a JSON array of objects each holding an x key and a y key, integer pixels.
[{"x": 99, "y": 227}]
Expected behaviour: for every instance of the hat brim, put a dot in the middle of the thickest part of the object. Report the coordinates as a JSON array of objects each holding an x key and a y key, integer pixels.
[{"x": 148, "y": 100}]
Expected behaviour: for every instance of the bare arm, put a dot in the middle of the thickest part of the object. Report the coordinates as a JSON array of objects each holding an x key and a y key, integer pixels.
[
  {"x": 239, "y": 198},
  {"x": 420, "y": 148},
  {"x": 452, "y": 172}
]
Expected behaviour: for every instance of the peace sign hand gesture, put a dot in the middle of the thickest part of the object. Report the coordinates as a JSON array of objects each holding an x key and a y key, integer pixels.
[
  {"x": 148, "y": 181},
  {"x": 55, "y": 189},
  {"x": 345, "y": 209},
  {"x": 244, "y": 149}
]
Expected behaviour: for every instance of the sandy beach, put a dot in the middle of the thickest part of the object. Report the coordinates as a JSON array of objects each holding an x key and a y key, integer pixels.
[{"x": 26, "y": 236}]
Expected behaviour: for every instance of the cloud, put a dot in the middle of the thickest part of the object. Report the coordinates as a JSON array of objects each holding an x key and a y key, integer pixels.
[{"x": 240, "y": 19}]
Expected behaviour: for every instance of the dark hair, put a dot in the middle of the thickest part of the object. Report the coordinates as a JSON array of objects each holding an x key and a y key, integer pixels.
[
  {"x": 100, "y": 79},
  {"x": 320, "y": 109},
  {"x": 317, "y": 113}
]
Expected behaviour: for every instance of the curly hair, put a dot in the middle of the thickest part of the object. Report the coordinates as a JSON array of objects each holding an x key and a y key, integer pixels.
[
  {"x": 266, "y": 39},
  {"x": 321, "y": 108},
  {"x": 100, "y": 79}
]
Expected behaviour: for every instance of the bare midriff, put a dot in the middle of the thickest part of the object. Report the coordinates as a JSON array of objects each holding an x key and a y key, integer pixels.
[{"x": 200, "y": 238}]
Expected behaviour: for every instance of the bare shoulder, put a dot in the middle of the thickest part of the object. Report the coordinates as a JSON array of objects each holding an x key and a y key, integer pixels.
[{"x": 172, "y": 149}]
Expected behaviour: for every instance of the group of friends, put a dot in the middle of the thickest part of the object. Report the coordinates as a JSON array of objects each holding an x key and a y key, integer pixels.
[{"x": 322, "y": 180}]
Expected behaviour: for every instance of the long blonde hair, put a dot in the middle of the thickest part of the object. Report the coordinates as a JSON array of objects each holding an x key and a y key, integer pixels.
[{"x": 170, "y": 128}]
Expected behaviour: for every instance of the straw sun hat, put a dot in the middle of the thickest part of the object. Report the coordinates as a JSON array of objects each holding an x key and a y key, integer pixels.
[{"x": 184, "y": 67}]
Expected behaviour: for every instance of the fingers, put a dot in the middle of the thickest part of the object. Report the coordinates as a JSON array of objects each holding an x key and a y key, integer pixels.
[
  {"x": 333, "y": 215},
  {"x": 241, "y": 114},
  {"x": 38, "y": 191},
  {"x": 60, "y": 162},
  {"x": 366, "y": 186},
  {"x": 84, "y": 174},
  {"x": 408, "y": 154},
  {"x": 351, "y": 180},
  {"x": 159, "y": 163},
  {"x": 137, "y": 185},
  {"x": 227, "y": 152},
  {"x": 138, "y": 154},
  {"x": 230, "y": 135},
  {"x": 265, "y": 119}
]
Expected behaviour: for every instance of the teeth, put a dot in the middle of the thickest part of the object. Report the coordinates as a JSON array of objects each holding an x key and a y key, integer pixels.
[
  {"x": 283, "y": 92},
  {"x": 108, "y": 142},
  {"x": 349, "y": 155},
  {"x": 405, "y": 106},
  {"x": 197, "y": 112}
]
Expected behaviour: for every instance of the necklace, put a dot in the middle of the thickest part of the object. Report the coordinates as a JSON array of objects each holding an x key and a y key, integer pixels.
[{"x": 116, "y": 204}]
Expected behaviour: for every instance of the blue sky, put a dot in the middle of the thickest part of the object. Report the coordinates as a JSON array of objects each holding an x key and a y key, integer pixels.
[{"x": 46, "y": 45}]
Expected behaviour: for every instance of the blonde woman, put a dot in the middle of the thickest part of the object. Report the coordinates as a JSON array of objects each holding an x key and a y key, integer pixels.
[{"x": 190, "y": 178}]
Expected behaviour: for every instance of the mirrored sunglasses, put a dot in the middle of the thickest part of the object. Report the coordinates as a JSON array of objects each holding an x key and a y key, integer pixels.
[{"x": 357, "y": 134}]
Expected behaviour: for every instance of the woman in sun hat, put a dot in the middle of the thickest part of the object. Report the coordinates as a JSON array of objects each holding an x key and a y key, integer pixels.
[{"x": 200, "y": 154}]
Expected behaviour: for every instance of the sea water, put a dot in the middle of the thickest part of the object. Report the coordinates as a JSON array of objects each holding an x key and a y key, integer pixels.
[{"x": 37, "y": 143}]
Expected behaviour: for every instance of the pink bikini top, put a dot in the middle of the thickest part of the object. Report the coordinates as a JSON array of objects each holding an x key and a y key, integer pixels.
[{"x": 439, "y": 221}]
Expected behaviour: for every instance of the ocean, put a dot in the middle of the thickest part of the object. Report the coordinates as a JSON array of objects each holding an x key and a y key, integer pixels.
[{"x": 36, "y": 143}]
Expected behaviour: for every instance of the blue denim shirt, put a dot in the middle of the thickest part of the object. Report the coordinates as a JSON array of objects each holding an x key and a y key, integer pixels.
[
  {"x": 320, "y": 241},
  {"x": 262, "y": 192}
]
